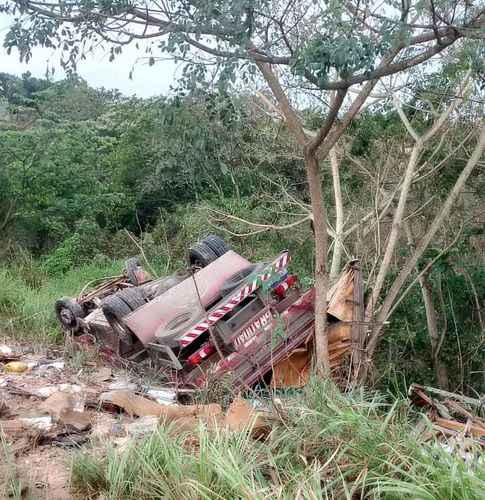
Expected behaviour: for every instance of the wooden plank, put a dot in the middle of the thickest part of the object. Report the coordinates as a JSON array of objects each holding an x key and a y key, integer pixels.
[
  {"x": 340, "y": 297},
  {"x": 458, "y": 426},
  {"x": 359, "y": 329},
  {"x": 465, "y": 413},
  {"x": 339, "y": 331},
  {"x": 449, "y": 395},
  {"x": 337, "y": 346},
  {"x": 339, "y": 353}
]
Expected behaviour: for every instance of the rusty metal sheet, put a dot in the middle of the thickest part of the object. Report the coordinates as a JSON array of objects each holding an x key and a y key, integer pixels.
[
  {"x": 294, "y": 370},
  {"x": 340, "y": 297}
]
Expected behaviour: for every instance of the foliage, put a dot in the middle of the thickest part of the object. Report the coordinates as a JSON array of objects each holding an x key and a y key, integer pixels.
[{"x": 94, "y": 175}]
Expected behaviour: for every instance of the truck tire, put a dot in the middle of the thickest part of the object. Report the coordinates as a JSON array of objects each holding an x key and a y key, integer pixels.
[
  {"x": 132, "y": 297},
  {"x": 201, "y": 255},
  {"x": 237, "y": 279},
  {"x": 115, "y": 309},
  {"x": 216, "y": 244},
  {"x": 169, "y": 331},
  {"x": 135, "y": 272},
  {"x": 68, "y": 311}
]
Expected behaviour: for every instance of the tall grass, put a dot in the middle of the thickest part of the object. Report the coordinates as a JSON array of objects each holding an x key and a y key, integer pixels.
[
  {"x": 27, "y": 297},
  {"x": 328, "y": 445}
]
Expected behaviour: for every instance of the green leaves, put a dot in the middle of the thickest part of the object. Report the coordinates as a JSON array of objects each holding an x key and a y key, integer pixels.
[{"x": 341, "y": 48}]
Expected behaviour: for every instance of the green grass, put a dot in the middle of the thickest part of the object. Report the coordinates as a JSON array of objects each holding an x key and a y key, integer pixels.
[
  {"x": 27, "y": 298},
  {"x": 328, "y": 445}
]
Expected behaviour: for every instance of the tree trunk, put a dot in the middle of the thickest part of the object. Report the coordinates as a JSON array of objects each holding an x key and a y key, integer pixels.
[
  {"x": 435, "y": 336},
  {"x": 314, "y": 177},
  {"x": 338, "y": 244},
  {"x": 439, "y": 368},
  {"x": 409, "y": 265}
]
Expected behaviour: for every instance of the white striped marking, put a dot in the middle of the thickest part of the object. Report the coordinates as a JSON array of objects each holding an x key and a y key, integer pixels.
[{"x": 216, "y": 315}]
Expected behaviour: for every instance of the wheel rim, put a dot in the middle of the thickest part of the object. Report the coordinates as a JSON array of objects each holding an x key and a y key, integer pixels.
[
  {"x": 120, "y": 331},
  {"x": 67, "y": 317}
]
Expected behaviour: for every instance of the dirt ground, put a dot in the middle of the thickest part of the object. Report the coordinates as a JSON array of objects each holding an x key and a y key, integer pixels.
[{"x": 35, "y": 463}]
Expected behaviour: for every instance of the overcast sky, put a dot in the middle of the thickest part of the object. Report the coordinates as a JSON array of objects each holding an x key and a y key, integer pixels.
[{"x": 96, "y": 69}]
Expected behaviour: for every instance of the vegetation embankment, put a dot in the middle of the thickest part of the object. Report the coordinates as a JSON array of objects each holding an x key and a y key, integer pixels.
[{"x": 327, "y": 445}]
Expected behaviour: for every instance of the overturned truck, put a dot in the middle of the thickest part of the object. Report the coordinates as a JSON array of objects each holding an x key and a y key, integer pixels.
[{"x": 221, "y": 318}]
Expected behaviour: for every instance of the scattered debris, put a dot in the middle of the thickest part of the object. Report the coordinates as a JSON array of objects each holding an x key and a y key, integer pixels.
[
  {"x": 451, "y": 415},
  {"x": 21, "y": 426},
  {"x": 67, "y": 408},
  {"x": 143, "y": 407},
  {"x": 16, "y": 367},
  {"x": 163, "y": 397}
]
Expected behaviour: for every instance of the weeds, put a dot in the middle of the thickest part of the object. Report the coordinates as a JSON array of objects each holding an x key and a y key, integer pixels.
[
  {"x": 27, "y": 302},
  {"x": 331, "y": 446}
]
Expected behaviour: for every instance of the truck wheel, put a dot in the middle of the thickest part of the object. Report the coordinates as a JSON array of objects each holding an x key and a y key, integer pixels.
[
  {"x": 169, "y": 331},
  {"x": 115, "y": 309},
  {"x": 135, "y": 272},
  {"x": 68, "y": 311},
  {"x": 237, "y": 279},
  {"x": 201, "y": 255},
  {"x": 132, "y": 297},
  {"x": 216, "y": 244}
]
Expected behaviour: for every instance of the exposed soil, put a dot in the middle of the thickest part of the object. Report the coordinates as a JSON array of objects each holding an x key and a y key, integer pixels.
[{"x": 36, "y": 463}]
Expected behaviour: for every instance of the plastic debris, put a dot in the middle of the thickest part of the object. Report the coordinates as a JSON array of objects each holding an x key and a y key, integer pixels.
[
  {"x": 162, "y": 397},
  {"x": 5, "y": 351},
  {"x": 57, "y": 365},
  {"x": 16, "y": 367}
]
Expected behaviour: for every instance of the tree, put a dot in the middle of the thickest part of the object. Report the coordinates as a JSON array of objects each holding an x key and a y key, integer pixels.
[
  {"x": 53, "y": 171},
  {"x": 316, "y": 46}
]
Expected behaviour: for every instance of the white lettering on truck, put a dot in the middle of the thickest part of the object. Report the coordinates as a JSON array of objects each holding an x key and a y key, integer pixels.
[{"x": 260, "y": 323}]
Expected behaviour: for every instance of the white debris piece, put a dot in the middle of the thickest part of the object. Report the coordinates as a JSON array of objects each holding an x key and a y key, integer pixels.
[
  {"x": 143, "y": 425},
  {"x": 5, "y": 350},
  {"x": 166, "y": 398},
  {"x": 40, "y": 423},
  {"x": 45, "y": 392}
]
